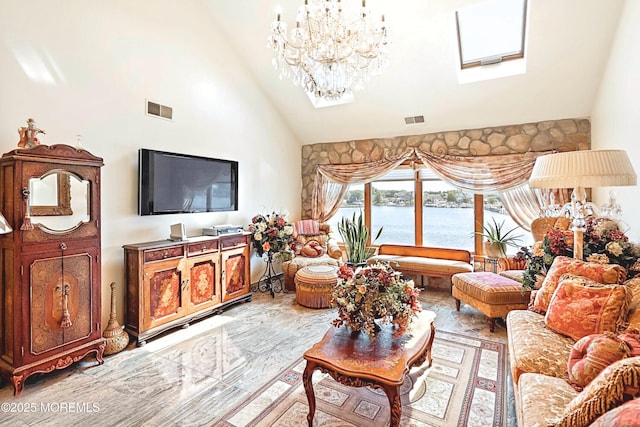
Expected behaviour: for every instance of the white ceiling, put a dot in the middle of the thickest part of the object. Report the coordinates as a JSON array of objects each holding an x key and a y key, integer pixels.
[{"x": 567, "y": 50}]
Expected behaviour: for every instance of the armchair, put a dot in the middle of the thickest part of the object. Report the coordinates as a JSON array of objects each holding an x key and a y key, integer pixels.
[{"x": 311, "y": 245}]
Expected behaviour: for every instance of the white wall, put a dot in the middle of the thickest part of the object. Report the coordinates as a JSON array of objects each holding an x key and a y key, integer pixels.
[
  {"x": 86, "y": 67},
  {"x": 616, "y": 112}
]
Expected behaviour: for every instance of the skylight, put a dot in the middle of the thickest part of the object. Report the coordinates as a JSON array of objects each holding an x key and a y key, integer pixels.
[{"x": 491, "y": 32}]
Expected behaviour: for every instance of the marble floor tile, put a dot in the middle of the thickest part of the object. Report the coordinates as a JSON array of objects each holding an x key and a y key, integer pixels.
[{"x": 193, "y": 376}]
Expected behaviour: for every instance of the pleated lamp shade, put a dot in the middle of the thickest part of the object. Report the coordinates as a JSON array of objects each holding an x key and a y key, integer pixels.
[{"x": 587, "y": 169}]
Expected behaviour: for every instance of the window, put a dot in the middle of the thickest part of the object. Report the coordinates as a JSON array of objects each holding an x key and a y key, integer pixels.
[
  {"x": 491, "y": 32},
  {"x": 393, "y": 207},
  {"x": 447, "y": 214},
  {"x": 419, "y": 208},
  {"x": 353, "y": 202}
]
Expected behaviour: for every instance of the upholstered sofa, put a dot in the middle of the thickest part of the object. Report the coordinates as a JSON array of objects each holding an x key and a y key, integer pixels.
[
  {"x": 549, "y": 359},
  {"x": 311, "y": 245}
]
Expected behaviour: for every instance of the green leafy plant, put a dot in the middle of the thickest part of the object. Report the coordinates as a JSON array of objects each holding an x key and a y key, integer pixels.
[
  {"x": 496, "y": 236},
  {"x": 355, "y": 236}
]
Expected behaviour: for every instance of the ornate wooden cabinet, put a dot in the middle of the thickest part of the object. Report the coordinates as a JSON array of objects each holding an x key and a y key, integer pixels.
[
  {"x": 50, "y": 264},
  {"x": 171, "y": 283}
]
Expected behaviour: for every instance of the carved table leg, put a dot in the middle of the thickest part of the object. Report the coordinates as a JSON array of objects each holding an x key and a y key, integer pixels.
[
  {"x": 18, "y": 384},
  {"x": 308, "y": 387},
  {"x": 393, "y": 394}
]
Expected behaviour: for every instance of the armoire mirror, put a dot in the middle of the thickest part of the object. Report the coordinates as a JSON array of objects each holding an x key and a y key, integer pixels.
[{"x": 59, "y": 201}]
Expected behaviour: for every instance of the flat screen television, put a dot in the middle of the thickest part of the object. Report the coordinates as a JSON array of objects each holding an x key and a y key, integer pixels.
[{"x": 171, "y": 183}]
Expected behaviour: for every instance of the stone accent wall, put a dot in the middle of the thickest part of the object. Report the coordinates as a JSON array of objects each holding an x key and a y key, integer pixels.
[{"x": 561, "y": 135}]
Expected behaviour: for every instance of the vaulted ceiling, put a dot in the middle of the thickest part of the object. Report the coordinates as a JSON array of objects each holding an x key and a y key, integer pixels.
[{"x": 567, "y": 49}]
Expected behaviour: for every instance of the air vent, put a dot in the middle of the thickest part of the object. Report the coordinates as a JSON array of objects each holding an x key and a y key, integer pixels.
[
  {"x": 414, "y": 119},
  {"x": 159, "y": 110}
]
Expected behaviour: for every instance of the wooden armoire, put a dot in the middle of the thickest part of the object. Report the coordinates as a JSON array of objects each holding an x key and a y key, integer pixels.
[{"x": 50, "y": 294}]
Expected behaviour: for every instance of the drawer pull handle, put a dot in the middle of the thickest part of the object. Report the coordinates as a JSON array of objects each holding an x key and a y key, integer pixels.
[{"x": 165, "y": 254}]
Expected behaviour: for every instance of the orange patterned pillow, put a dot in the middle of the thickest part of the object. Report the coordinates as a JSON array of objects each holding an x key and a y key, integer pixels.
[
  {"x": 634, "y": 309},
  {"x": 618, "y": 383},
  {"x": 312, "y": 249},
  {"x": 591, "y": 354},
  {"x": 603, "y": 273},
  {"x": 582, "y": 307},
  {"x": 632, "y": 338},
  {"x": 624, "y": 415}
]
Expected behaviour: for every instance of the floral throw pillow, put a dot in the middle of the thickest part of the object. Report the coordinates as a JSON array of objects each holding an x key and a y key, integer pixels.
[
  {"x": 603, "y": 273},
  {"x": 582, "y": 307},
  {"x": 591, "y": 354},
  {"x": 618, "y": 383}
]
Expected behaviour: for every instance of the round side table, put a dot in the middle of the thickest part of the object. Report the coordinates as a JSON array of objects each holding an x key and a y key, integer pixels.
[{"x": 314, "y": 285}]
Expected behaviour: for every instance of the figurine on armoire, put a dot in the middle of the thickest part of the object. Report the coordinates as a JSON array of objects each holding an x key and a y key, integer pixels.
[{"x": 28, "y": 135}]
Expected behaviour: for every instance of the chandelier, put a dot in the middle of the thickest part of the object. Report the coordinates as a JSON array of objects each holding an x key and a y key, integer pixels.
[{"x": 332, "y": 50}]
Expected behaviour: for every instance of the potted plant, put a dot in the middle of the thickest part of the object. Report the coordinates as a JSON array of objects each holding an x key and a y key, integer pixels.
[
  {"x": 496, "y": 239},
  {"x": 355, "y": 236}
]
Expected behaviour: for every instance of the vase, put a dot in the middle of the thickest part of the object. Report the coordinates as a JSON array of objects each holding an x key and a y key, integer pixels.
[
  {"x": 493, "y": 250},
  {"x": 117, "y": 339}
]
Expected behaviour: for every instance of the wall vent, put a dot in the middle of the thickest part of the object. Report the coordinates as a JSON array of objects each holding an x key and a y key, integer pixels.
[
  {"x": 159, "y": 110},
  {"x": 413, "y": 119}
]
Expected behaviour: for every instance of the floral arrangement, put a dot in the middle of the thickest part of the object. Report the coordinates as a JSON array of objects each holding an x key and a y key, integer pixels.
[
  {"x": 270, "y": 234},
  {"x": 604, "y": 243},
  {"x": 374, "y": 292}
]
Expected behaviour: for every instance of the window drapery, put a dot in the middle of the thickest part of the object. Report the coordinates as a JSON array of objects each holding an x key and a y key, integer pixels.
[
  {"x": 482, "y": 174},
  {"x": 506, "y": 174},
  {"x": 331, "y": 182},
  {"x": 522, "y": 205}
]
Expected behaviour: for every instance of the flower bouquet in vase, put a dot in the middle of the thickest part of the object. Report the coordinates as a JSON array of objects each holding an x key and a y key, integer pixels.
[
  {"x": 270, "y": 235},
  {"x": 374, "y": 293}
]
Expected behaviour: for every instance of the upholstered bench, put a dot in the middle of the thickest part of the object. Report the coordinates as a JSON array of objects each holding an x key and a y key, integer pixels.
[
  {"x": 423, "y": 260},
  {"x": 491, "y": 294},
  {"x": 314, "y": 285}
]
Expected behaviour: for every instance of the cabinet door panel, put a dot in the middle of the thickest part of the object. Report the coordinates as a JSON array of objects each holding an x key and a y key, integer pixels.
[
  {"x": 61, "y": 301},
  {"x": 164, "y": 301},
  {"x": 235, "y": 280},
  {"x": 204, "y": 288}
]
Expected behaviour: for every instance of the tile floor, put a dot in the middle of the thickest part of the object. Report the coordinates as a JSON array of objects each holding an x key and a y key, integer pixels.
[{"x": 192, "y": 376}]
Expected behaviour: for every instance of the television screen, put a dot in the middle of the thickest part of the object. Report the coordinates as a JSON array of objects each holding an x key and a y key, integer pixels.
[{"x": 172, "y": 183}]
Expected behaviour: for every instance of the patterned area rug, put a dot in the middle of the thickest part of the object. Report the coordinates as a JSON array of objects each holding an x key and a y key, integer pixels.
[{"x": 466, "y": 386}]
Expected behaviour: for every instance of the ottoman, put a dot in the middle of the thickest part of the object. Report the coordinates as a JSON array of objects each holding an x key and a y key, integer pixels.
[
  {"x": 491, "y": 294},
  {"x": 314, "y": 285}
]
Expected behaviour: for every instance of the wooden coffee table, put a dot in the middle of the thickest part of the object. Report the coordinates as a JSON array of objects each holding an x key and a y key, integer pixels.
[{"x": 353, "y": 359}]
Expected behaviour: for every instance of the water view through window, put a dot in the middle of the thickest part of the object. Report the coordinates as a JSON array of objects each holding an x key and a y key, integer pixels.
[{"x": 447, "y": 214}]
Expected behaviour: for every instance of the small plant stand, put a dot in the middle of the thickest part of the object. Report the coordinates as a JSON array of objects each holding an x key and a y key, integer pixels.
[{"x": 270, "y": 281}]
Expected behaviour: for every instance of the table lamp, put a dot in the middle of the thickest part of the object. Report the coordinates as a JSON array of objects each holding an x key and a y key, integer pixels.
[{"x": 580, "y": 170}]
